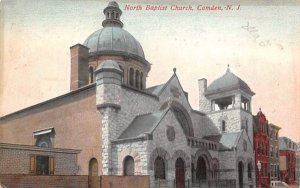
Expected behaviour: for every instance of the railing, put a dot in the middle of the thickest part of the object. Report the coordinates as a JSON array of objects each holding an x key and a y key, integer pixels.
[{"x": 189, "y": 184}]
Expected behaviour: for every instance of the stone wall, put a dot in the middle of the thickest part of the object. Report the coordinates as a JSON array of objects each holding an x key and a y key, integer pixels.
[
  {"x": 15, "y": 159},
  {"x": 73, "y": 116},
  {"x": 174, "y": 149},
  {"x": 137, "y": 150},
  {"x": 229, "y": 160}
]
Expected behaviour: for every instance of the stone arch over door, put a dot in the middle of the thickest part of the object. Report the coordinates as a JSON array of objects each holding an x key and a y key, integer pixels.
[
  {"x": 205, "y": 156},
  {"x": 162, "y": 154},
  {"x": 182, "y": 116},
  {"x": 181, "y": 154},
  {"x": 136, "y": 158}
]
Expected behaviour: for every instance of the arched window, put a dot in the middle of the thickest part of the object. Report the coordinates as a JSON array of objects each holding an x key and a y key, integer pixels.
[
  {"x": 122, "y": 78},
  {"x": 223, "y": 126},
  {"x": 141, "y": 81},
  {"x": 128, "y": 166},
  {"x": 249, "y": 171},
  {"x": 91, "y": 69},
  {"x": 44, "y": 141},
  {"x": 159, "y": 168},
  {"x": 137, "y": 79},
  {"x": 131, "y": 76},
  {"x": 113, "y": 15}
]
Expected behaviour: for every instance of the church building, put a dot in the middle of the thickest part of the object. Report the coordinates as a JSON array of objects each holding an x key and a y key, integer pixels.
[{"x": 111, "y": 123}]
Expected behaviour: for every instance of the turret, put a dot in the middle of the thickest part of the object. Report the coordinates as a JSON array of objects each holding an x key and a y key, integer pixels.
[{"x": 108, "y": 91}]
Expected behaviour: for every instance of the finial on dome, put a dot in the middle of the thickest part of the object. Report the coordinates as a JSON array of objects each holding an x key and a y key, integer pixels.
[
  {"x": 260, "y": 108},
  {"x": 112, "y": 13},
  {"x": 174, "y": 69},
  {"x": 228, "y": 70}
]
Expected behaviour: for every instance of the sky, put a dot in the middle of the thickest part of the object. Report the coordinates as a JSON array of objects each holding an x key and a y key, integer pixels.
[{"x": 260, "y": 41}]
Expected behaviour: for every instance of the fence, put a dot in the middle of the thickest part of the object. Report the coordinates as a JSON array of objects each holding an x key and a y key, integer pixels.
[{"x": 199, "y": 184}]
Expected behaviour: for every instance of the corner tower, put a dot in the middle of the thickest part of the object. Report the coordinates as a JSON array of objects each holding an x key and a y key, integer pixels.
[{"x": 227, "y": 101}]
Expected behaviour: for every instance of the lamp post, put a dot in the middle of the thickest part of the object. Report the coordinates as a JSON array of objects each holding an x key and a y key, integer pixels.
[{"x": 259, "y": 168}]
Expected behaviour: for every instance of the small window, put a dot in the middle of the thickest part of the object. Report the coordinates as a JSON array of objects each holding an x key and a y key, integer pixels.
[
  {"x": 137, "y": 79},
  {"x": 141, "y": 81},
  {"x": 131, "y": 76},
  {"x": 223, "y": 126},
  {"x": 44, "y": 138},
  {"x": 91, "y": 69}
]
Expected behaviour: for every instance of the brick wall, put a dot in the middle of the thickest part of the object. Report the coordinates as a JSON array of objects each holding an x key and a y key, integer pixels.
[
  {"x": 27, "y": 181},
  {"x": 15, "y": 159},
  {"x": 73, "y": 116},
  {"x": 124, "y": 181}
]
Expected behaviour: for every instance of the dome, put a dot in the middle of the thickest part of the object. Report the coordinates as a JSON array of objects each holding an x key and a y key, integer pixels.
[
  {"x": 228, "y": 82},
  {"x": 112, "y": 40}
]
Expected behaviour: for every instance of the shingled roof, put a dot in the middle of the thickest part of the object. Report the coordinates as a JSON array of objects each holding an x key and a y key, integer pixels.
[{"x": 142, "y": 124}]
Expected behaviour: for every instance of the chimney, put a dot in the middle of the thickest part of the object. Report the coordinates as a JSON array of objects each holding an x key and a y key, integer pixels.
[
  {"x": 204, "y": 103},
  {"x": 79, "y": 66}
]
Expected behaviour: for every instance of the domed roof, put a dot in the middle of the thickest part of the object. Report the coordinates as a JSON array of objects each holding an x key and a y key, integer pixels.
[
  {"x": 228, "y": 82},
  {"x": 113, "y": 40}
]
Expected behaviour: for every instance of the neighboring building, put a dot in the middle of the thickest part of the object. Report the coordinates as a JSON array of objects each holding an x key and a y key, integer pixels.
[
  {"x": 124, "y": 128},
  {"x": 274, "y": 152},
  {"x": 287, "y": 165},
  {"x": 298, "y": 164},
  {"x": 261, "y": 147}
]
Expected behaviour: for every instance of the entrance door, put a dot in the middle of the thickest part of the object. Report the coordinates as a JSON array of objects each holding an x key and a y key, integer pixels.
[
  {"x": 179, "y": 173},
  {"x": 93, "y": 173},
  {"x": 241, "y": 174}
]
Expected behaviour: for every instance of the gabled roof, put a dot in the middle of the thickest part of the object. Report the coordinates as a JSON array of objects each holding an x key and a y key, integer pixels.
[
  {"x": 142, "y": 124},
  {"x": 230, "y": 140},
  {"x": 228, "y": 82}
]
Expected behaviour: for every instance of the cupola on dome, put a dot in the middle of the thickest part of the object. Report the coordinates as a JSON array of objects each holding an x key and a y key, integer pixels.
[{"x": 112, "y": 39}]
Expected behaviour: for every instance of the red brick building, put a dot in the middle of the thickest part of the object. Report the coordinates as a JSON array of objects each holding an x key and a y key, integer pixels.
[
  {"x": 261, "y": 148},
  {"x": 287, "y": 150}
]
